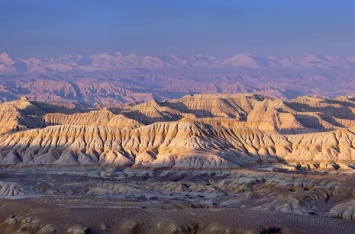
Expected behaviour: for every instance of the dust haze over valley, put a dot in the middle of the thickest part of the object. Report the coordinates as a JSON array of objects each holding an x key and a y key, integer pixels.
[{"x": 229, "y": 117}]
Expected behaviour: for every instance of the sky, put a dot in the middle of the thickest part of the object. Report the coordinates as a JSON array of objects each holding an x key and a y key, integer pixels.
[{"x": 221, "y": 28}]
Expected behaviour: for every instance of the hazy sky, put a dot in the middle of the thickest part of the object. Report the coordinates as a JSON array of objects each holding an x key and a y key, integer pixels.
[{"x": 222, "y": 28}]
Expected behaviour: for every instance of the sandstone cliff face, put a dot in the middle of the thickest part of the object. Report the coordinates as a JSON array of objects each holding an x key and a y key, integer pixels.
[{"x": 199, "y": 131}]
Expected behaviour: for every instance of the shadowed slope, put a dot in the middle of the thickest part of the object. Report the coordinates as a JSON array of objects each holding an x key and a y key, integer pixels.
[{"x": 184, "y": 143}]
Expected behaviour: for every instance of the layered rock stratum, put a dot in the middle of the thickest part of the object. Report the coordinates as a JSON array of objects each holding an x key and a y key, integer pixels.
[{"x": 196, "y": 131}]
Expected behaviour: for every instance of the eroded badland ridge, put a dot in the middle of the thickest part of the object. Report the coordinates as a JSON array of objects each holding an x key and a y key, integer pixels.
[
  {"x": 265, "y": 165},
  {"x": 196, "y": 131}
]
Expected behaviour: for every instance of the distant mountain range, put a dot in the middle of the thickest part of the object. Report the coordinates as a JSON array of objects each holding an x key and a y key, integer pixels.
[
  {"x": 128, "y": 63},
  {"x": 112, "y": 79}
]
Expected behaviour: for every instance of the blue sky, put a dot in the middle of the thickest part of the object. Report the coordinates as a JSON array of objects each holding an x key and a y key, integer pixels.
[{"x": 48, "y": 28}]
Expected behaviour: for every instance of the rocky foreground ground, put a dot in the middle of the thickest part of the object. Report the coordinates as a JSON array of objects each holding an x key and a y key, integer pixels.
[{"x": 113, "y": 200}]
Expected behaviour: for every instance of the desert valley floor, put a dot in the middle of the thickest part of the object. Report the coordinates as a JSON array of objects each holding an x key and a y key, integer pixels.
[{"x": 239, "y": 163}]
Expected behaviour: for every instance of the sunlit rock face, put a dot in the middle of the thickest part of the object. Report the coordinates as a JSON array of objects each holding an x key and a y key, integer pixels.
[{"x": 196, "y": 131}]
